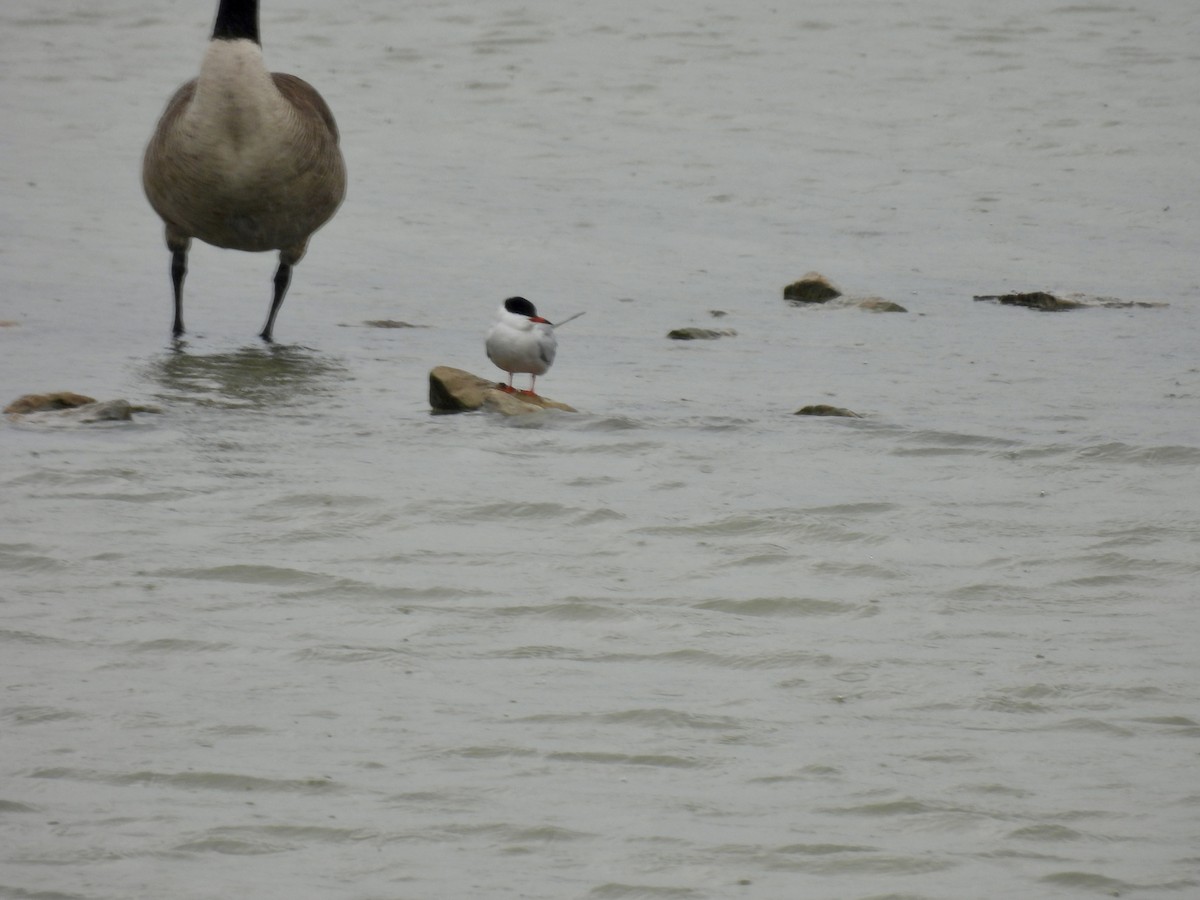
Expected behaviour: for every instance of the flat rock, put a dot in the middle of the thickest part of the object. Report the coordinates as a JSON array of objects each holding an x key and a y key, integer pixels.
[
  {"x": 700, "y": 334},
  {"x": 455, "y": 390},
  {"x": 812, "y": 288},
  {"x": 824, "y": 409}
]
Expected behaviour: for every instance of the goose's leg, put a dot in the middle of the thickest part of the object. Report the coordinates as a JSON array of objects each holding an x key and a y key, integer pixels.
[
  {"x": 178, "y": 271},
  {"x": 283, "y": 277},
  {"x": 288, "y": 257},
  {"x": 179, "y": 251}
]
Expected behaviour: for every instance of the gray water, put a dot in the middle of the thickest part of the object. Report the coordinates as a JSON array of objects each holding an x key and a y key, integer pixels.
[{"x": 295, "y": 637}]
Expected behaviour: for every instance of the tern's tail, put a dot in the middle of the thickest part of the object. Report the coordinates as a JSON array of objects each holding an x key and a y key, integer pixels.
[{"x": 565, "y": 321}]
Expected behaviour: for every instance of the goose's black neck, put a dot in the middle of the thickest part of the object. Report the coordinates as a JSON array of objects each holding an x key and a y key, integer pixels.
[{"x": 237, "y": 19}]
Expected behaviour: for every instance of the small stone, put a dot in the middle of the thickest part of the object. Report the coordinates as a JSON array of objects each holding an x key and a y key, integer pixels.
[
  {"x": 823, "y": 409},
  {"x": 700, "y": 334},
  {"x": 812, "y": 288}
]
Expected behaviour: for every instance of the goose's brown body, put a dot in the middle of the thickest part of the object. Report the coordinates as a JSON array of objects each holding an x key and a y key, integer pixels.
[
  {"x": 204, "y": 190},
  {"x": 246, "y": 160}
]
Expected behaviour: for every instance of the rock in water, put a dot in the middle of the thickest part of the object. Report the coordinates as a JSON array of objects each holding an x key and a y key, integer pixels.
[
  {"x": 455, "y": 390},
  {"x": 57, "y": 400},
  {"x": 878, "y": 304},
  {"x": 105, "y": 411},
  {"x": 389, "y": 323},
  {"x": 65, "y": 406},
  {"x": 700, "y": 334},
  {"x": 1044, "y": 302},
  {"x": 812, "y": 288},
  {"x": 1033, "y": 300},
  {"x": 824, "y": 409}
]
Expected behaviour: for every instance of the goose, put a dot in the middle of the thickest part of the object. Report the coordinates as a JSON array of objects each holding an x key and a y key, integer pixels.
[
  {"x": 243, "y": 158},
  {"x": 521, "y": 341}
]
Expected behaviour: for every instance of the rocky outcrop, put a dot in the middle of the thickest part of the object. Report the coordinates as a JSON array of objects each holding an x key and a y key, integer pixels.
[
  {"x": 455, "y": 390},
  {"x": 812, "y": 288},
  {"x": 823, "y": 409}
]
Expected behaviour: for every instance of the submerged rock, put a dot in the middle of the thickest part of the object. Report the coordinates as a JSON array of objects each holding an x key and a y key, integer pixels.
[
  {"x": 455, "y": 390},
  {"x": 878, "y": 304},
  {"x": 700, "y": 334},
  {"x": 1040, "y": 300},
  {"x": 103, "y": 411},
  {"x": 812, "y": 288},
  {"x": 390, "y": 323},
  {"x": 824, "y": 409},
  {"x": 1033, "y": 300}
]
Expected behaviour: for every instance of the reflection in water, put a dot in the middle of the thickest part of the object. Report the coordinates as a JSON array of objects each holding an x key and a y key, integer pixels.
[{"x": 255, "y": 377}]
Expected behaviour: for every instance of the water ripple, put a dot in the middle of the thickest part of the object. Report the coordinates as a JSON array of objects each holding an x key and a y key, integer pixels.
[
  {"x": 215, "y": 781},
  {"x": 785, "y": 607},
  {"x": 658, "y": 760}
]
